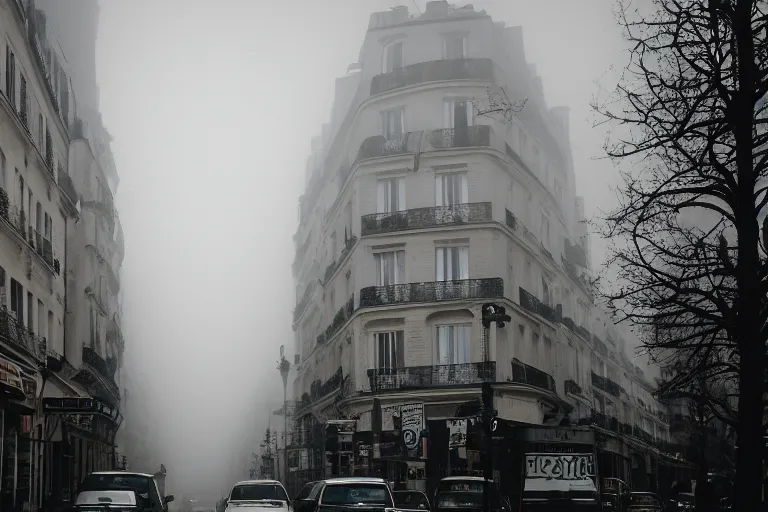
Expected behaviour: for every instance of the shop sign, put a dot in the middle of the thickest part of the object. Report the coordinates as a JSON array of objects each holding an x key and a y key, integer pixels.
[
  {"x": 458, "y": 433},
  {"x": 577, "y": 466},
  {"x": 10, "y": 375},
  {"x": 412, "y": 423}
]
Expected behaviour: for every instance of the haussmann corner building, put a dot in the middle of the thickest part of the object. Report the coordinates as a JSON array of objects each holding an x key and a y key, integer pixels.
[{"x": 417, "y": 211}]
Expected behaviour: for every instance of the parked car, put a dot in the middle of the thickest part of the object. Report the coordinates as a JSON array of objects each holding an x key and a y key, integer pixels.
[
  {"x": 120, "y": 490},
  {"x": 305, "y": 491},
  {"x": 644, "y": 502},
  {"x": 362, "y": 494},
  {"x": 258, "y": 495},
  {"x": 411, "y": 500},
  {"x": 615, "y": 495},
  {"x": 466, "y": 493}
]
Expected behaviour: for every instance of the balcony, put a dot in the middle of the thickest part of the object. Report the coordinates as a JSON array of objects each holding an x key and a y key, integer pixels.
[
  {"x": 304, "y": 302},
  {"x": 105, "y": 368},
  {"x": 433, "y": 71},
  {"x": 418, "y": 377},
  {"x": 530, "y": 303},
  {"x": 15, "y": 334},
  {"x": 419, "y": 218},
  {"x": 341, "y": 317},
  {"x": 319, "y": 389},
  {"x": 571, "y": 387},
  {"x": 465, "y": 289},
  {"x": 607, "y": 385},
  {"x": 460, "y": 137},
  {"x": 378, "y": 146},
  {"x": 68, "y": 186},
  {"x": 526, "y": 374}
]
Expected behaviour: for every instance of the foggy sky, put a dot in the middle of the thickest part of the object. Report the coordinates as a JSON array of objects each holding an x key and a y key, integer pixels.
[{"x": 212, "y": 105}]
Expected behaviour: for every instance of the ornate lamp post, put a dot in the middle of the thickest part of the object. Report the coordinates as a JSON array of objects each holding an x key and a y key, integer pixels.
[{"x": 284, "y": 366}]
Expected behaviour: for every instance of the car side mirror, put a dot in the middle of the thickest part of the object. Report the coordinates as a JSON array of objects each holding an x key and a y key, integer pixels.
[{"x": 168, "y": 498}]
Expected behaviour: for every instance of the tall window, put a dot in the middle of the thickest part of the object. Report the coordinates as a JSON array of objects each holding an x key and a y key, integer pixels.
[
  {"x": 23, "y": 100},
  {"x": 546, "y": 292},
  {"x": 2, "y": 170},
  {"x": 389, "y": 350},
  {"x": 390, "y": 267},
  {"x": 454, "y": 47},
  {"x": 10, "y": 75},
  {"x": 40, "y": 133},
  {"x": 451, "y": 189},
  {"x": 458, "y": 113},
  {"x": 17, "y": 300},
  {"x": 452, "y": 263},
  {"x": 393, "y": 57},
  {"x": 392, "y": 124},
  {"x": 545, "y": 231},
  {"x": 391, "y": 195},
  {"x": 453, "y": 344}
]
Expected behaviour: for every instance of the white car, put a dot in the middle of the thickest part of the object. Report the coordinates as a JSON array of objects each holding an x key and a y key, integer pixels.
[{"x": 258, "y": 496}]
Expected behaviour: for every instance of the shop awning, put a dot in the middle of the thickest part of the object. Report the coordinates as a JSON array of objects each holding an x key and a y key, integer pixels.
[{"x": 11, "y": 384}]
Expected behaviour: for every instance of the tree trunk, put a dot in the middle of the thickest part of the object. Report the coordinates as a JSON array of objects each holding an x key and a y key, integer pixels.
[{"x": 748, "y": 491}]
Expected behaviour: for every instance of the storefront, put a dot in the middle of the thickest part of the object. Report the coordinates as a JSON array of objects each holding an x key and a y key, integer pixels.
[
  {"x": 81, "y": 433},
  {"x": 20, "y": 446}
]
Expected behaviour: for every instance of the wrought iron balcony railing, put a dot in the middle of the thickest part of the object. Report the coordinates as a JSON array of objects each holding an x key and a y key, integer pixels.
[
  {"x": 572, "y": 387},
  {"x": 527, "y": 374},
  {"x": 488, "y": 288},
  {"x": 341, "y": 317},
  {"x": 416, "y": 377},
  {"x": 433, "y": 71},
  {"x": 68, "y": 186},
  {"x": 461, "y": 137},
  {"x": 606, "y": 384},
  {"x": 104, "y": 367},
  {"x": 319, "y": 389},
  {"x": 433, "y": 216},
  {"x": 378, "y": 146},
  {"x": 15, "y": 334},
  {"x": 304, "y": 302},
  {"x": 529, "y": 302}
]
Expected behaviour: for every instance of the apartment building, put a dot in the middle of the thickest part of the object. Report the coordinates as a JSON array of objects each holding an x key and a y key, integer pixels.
[
  {"x": 60, "y": 253},
  {"x": 417, "y": 210}
]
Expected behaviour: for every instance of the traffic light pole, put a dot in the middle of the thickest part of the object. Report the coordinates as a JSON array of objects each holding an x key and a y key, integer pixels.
[{"x": 491, "y": 313}]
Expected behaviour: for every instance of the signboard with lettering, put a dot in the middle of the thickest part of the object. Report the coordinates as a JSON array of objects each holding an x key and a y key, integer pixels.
[
  {"x": 10, "y": 378},
  {"x": 412, "y": 423},
  {"x": 574, "y": 466}
]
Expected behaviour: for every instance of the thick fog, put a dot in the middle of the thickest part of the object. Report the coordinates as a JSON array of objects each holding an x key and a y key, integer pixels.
[{"x": 212, "y": 106}]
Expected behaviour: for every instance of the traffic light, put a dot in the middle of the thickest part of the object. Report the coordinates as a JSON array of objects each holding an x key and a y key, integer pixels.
[{"x": 494, "y": 313}]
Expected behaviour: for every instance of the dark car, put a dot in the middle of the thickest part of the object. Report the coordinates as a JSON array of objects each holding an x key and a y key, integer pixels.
[
  {"x": 466, "y": 494},
  {"x": 644, "y": 502},
  {"x": 410, "y": 500},
  {"x": 106, "y": 491},
  {"x": 358, "y": 494}
]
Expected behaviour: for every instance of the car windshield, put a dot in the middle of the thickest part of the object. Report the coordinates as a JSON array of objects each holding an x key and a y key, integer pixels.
[
  {"x": 255, "y": 492},
  {"x": 409, "y": 499},
  {"x": 356, "y": 494},
  {"x": 643, "y": 499},
  {"x": 97, "y": 482}
]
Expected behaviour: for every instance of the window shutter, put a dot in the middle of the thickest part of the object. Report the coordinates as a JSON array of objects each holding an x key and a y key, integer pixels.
[
  {"x": 463, "y": 263},
  {"x": 381, "y": 206},
  {"x": 439, "y": 183},
  {"x": 440, "y": 264},
  {"x": 401, "y": 194},
  {"x": 448, "y": 114},
  {"x": 400, "y": 261},
  {"x": 464, "y": 189},
  {"x": 470, "y": 113},
  {"x": 400, "y": 349}
]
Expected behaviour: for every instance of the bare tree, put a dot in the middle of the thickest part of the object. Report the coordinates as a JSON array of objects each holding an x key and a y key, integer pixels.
[
  {"x": 498, "y": 106},
  {"x": 689, "y": 117}
]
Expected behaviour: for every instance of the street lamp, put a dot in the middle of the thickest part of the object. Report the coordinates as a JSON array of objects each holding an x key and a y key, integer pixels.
[{"x": 284, "y": 366}]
